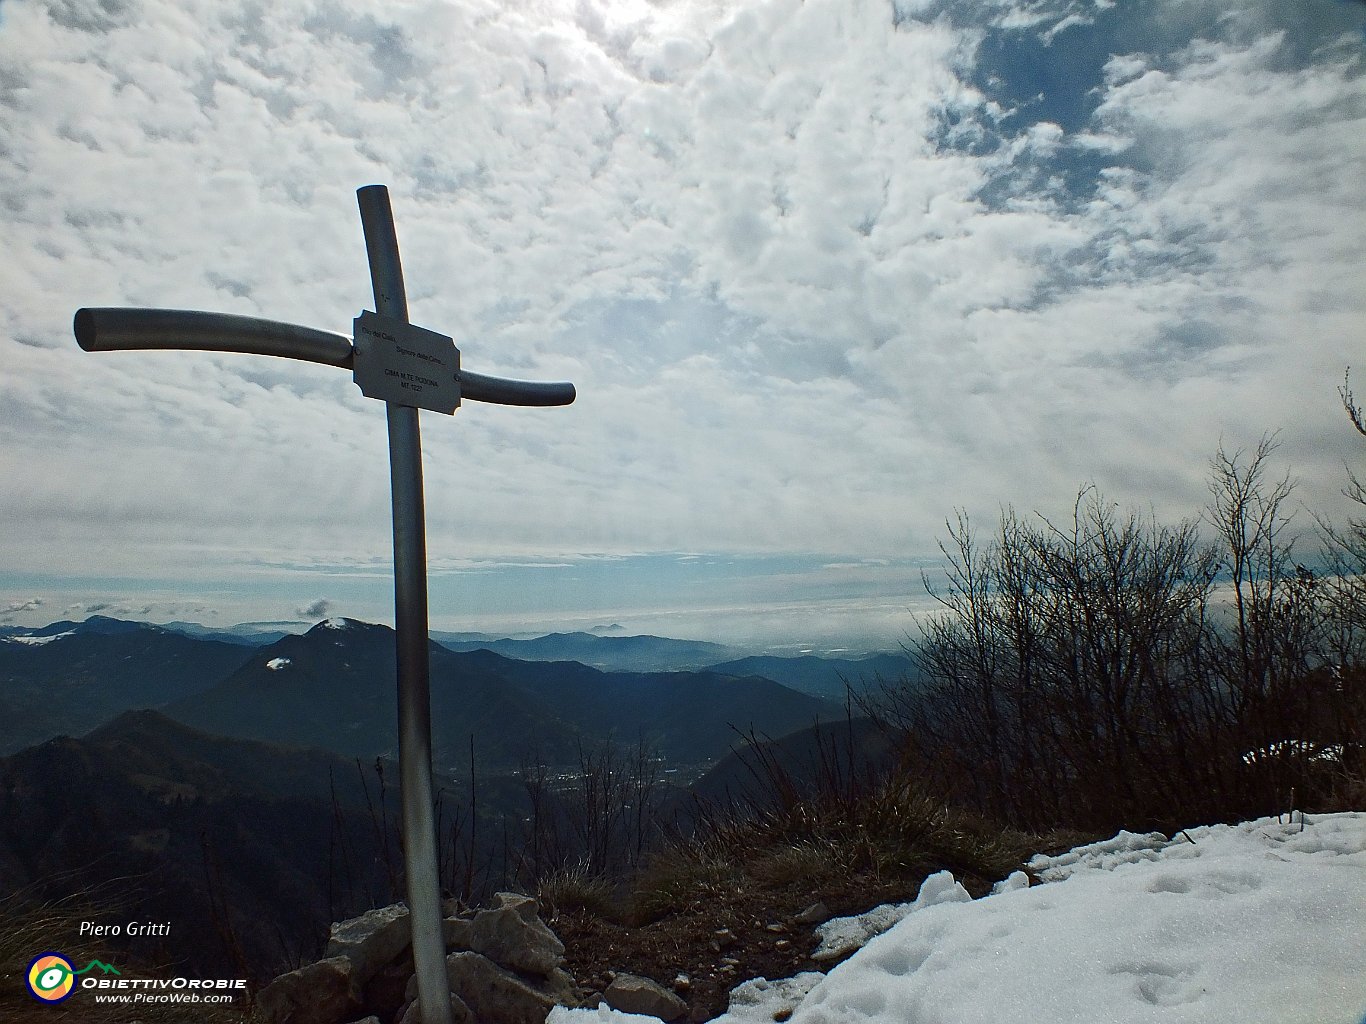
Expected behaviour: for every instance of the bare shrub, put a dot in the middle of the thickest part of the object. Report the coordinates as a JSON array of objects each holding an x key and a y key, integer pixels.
[{"x": 1112, "y": 671}]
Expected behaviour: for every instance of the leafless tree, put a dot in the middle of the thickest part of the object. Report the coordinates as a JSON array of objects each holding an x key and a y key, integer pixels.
[{"x": 1109, "y": 670}]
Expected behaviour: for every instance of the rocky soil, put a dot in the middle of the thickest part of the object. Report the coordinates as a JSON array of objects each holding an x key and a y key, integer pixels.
[{"x": 724, "y": 938}]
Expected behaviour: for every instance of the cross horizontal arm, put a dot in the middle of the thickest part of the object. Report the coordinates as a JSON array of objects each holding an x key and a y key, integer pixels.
[
  {"x": 108, "y": 329},
  {"x": 475, "y": 387},
  {"x": 111, "y": 329}
]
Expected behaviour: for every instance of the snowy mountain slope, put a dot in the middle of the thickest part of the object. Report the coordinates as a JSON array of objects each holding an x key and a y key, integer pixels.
[
  {"x": 1260, "y": 923},
  {"x": 70, "y": 677}
]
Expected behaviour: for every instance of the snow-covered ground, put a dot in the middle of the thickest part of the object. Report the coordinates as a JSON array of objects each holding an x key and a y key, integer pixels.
[{"x": 1258, "y": 923}]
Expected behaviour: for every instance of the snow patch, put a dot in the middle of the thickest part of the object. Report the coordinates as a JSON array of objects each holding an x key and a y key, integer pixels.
[
  {"x": 1259, "y": 923},
  {"x": 1294, "y": 748},
  {"x": 602, "y": 1013},
  {"x": 336, "y": 622},
  {"x": 1015, "y": 880},
  {"x": 275, "y": 664},
  {"x": 1106, "y": 855},
  {"x": 38, "y": 641},
  {"x": 843, "y": 935},
  {"x": 761, "y": 1001}
]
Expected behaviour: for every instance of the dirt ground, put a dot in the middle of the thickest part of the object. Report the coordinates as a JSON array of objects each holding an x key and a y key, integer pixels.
[{"x": 704, "y": 951}]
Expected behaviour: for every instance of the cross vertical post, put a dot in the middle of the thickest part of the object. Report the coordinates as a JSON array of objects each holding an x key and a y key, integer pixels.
[
  {"x": 411, "y": 633},
  {"x": 428, "y": 375}
]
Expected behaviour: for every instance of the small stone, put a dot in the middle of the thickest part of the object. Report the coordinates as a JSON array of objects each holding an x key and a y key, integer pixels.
[
  {"x": 682, "y": 983},
  {"x": 371, "y": 941},
  {"x": 511, "y": 934},
  {"x": 320, "y": 993},
  {"x": 632, "y": 994},
  {"x": 817, "y": 913},
  {"x": 783, "y": 944},
  {"x": 776, "y": 929},
  {"x": 496, "y": 995}
]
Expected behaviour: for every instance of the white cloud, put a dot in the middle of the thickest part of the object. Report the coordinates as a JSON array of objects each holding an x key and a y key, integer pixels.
[
  {"x": 319, "y": 609},
  {"x": 1069, "y": 21},
  {"x": 10, "y": 610},
  {"x": 807, "y": 302}
]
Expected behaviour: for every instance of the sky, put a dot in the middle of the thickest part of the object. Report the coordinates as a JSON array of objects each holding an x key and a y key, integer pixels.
[
  {"x": 1260, "y": 922},
  {"x": 821, "y": 272}
]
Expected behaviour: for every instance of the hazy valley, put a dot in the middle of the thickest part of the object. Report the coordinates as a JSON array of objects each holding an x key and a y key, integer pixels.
[{"x": 246, "y": 789}]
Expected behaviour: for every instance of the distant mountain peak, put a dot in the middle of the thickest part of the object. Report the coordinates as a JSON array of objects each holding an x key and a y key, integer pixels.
[
  {"x": 339, "y": 631},
  {"x": 341, "y": 624},
  {"x": 95, "y": 625},
  {"x": 138, "y": 723},
  {"x": 106, "y": 624}
]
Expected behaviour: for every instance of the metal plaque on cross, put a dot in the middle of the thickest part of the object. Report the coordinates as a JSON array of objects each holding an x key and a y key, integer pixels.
[{"x": 405, "y": 364}]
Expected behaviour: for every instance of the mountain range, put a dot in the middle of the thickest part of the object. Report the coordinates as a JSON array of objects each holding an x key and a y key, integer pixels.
[
  {"x": 69, "y": 677},
  {"x": 335, "y": 688},
  {"x": 610, "y": 649},
  {"x": 608, "y": 653}
]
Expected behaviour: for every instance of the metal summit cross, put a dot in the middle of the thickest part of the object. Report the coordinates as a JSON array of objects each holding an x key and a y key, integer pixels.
[{"x": 408, "y": 368}]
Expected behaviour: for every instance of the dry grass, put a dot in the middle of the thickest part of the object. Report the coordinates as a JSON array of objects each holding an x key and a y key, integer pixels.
[
  {"x": 893, "y": 831},
  {"x": 810, "y": 860},
  {"x": 574, "y": 888},
  {"x": 33, "y": 924},
  {"x": 679, "y": 878}
]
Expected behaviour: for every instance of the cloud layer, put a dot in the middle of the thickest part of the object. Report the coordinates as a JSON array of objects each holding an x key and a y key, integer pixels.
[{"x": 821, "y": 272}]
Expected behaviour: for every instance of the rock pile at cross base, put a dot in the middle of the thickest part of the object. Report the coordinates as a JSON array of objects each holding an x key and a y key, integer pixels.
[{"x": 504, "y": 966}]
